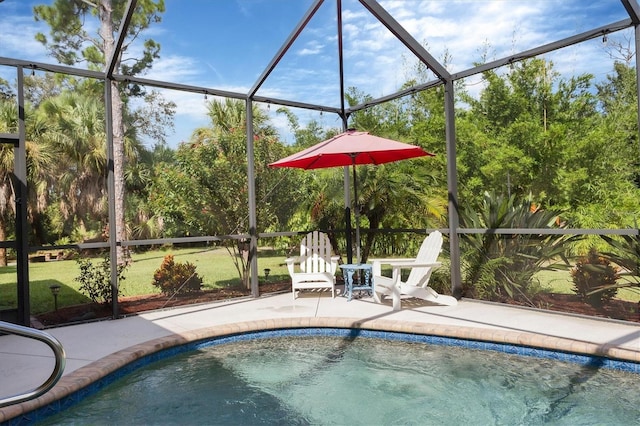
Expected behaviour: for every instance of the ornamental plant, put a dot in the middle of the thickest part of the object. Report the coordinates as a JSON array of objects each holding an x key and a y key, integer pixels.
[
  {"x": 95, "y": 279},
  {"x": 594, "y": 279},
  {"x": 176, "y": 277},
  {"x": 625, "y": 253},
  {"x": 500, "y": 267}
]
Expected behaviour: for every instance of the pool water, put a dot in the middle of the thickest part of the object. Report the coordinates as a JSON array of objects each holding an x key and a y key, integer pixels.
[{"x": 360, "y": 381}]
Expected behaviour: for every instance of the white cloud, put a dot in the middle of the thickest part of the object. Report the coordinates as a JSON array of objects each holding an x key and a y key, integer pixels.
[
  {"x": 17, "y": 38},
  {"x": 313, "y": 47},
  {"x": 462, "y": 31},
  {"x": 349, "y": 14},
  {"x": 175, "y": 68}
]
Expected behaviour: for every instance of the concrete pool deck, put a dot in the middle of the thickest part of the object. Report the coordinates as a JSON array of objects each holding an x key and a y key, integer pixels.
[{"x": 98, "y": 348}]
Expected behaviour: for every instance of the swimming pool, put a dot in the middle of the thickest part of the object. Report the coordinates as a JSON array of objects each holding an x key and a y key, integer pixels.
[{"x": 348, "y": 376}]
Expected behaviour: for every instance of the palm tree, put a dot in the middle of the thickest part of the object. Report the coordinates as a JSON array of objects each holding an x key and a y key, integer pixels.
[
  {"x": 81, "y": 175},
  {"x": 40, "y": 157},
  {"x": 8, "y": 115},
  {"x": 81, "y": 170},
  {"x": 227, "y": 136},
  {"x": 70, "y": 42},
  {"x": 142, "y": 222},
  {"x": 398, "y": 196}
]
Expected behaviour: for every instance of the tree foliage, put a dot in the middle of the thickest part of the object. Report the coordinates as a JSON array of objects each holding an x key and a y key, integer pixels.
[
  {"x": 205, "y": 192},
  {"x": 70, "y": 42},
  {"x": 41, "y": 158},
  {"x": 532, "y": 131}
]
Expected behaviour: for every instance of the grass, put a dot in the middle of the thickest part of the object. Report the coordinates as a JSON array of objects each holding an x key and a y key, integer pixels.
[
  {"x": 215, "y": 266},
  {"x": 556, "y": 281}
]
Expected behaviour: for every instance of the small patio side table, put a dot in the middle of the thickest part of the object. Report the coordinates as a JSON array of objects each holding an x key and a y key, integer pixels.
[{"x": 364, "y": 281}]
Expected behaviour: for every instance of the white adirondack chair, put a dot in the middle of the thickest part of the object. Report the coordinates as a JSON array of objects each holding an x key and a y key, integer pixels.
[
  {"x": 417, "y": 284},
  {"x": 316, "y": 266}
]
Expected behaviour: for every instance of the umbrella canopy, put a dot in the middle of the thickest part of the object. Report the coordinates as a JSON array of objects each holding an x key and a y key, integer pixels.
[{"x": 350, "y": 149}]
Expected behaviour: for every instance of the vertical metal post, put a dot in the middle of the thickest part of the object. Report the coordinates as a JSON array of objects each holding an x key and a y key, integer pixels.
[
  {"x": 21, "y": 194},
  {"x": 637, "y": 43},
  {"x": 251, "y": 190},
  {"x": 347, "y": 213},
  {"x": 111, "y": 191},
  {"x": 452, "y": 187},
  {"x": 357, "y": 212},
  {"x": 343, "y": 115}
]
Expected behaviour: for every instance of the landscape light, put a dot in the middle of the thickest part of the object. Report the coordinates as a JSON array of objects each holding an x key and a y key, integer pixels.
[{"x": 55, "y": 289}]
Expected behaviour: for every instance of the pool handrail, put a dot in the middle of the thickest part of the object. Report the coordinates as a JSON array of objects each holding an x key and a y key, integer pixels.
[{"x": 58, "y": 369}]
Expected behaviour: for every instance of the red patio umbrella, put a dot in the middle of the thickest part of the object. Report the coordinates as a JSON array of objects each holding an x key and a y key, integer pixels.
[{"x": 350, "y": 149}]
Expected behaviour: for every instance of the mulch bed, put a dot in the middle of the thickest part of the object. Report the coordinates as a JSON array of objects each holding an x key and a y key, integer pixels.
[
  {"x": 571, "y": 303},
  {"x": 616, "y": 309},
  {"x": 136, "y": 304}
]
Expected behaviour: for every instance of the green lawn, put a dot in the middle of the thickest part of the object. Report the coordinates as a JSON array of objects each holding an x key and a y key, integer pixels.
[{"x": 215, "y": 266}]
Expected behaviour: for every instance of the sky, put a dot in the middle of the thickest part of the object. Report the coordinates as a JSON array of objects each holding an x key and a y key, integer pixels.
[{"x": 228, "y": 44}]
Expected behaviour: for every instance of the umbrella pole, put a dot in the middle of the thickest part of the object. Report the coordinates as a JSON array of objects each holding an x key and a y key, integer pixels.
[
  {"x": 347, "y": 215},
  {"x": 357, "y": 211}
]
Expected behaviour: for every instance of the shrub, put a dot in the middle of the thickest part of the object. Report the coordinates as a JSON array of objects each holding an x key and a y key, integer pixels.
[
  {"x": 504, "y": 266},
  {"x": 176, "y": 277},
  {"x": 95, "y": 279},
  {"x": 594, "y": 279}
]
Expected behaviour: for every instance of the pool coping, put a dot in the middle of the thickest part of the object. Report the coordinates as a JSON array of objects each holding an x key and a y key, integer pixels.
[{"x": 93, "y": 372}]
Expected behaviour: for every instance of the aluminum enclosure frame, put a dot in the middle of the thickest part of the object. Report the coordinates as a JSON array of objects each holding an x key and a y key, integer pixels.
[{"x": 444, "y": 78}]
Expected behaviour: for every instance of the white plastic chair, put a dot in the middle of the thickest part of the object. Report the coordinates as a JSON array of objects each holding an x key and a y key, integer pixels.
[
  {"x": 417, "y": 283},
  {"x": 316, "y": 266}
]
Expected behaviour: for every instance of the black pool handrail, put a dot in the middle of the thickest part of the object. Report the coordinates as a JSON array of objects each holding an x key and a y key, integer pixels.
[{"x": 58, "y": 351}]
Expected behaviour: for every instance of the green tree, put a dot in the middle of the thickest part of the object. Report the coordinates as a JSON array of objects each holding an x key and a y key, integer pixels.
[
  {"x": 205, "y": 191},
  {"x": 389, "y": 118},
  {"x": 8, "y": 121},
  {"x": 71, "y": 42},
  {"x": 40, "y": 160},
  {"x": 531, "y": 131},
  {"x": 80, "y": 141},
  {"x": 5, "y": 90},
  {"x": 38, "y": 88},
  {"x": 520, "y": 132},
  {"x": 78, "y": 137},
  {"x": 617, "y": 135},
  {"x": 307, "y": 136},
  {"x": 598, "y": 180},
  {"x": 139, "y": 178}
]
